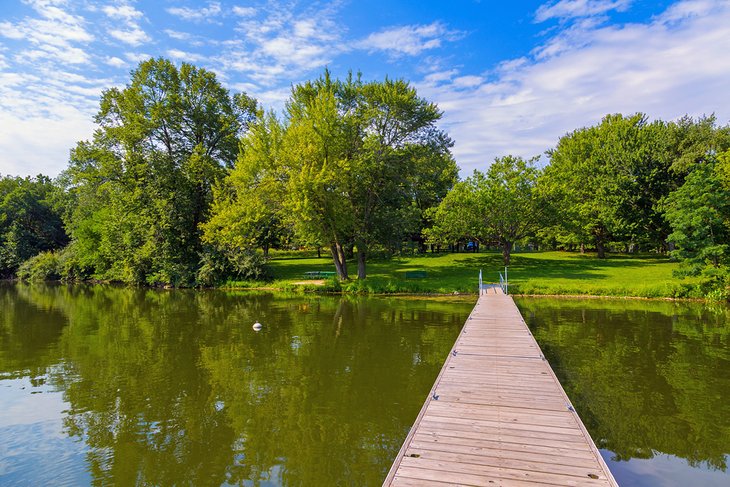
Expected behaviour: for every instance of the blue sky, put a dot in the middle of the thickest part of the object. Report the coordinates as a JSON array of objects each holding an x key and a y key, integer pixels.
[{"x": 511, "y": 77}]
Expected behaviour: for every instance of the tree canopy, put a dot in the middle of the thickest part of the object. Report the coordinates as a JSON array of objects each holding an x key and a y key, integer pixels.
[
  {"x": 143, "y": 185},
  {"x": 354, "y": 164},
  {"x": 30, "y": 220},
  {"x": 498, "y": 207}
]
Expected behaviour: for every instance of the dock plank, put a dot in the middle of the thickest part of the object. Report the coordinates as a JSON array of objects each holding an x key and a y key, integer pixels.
[{"x": 497, "y": 414}]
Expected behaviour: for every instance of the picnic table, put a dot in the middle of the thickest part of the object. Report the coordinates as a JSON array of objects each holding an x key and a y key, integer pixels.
[{"x": 319, "y": 274}]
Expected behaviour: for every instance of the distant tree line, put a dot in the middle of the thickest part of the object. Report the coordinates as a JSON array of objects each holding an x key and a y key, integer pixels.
[
  {"x": 626, "y": 184},
  {"x": 185, "y": 184}
]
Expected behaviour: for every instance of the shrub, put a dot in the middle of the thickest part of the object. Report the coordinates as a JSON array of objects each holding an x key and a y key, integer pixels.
[
  {"x": 41, "y": 267},
  {"x": 218, "y": 266},
  {"x": 70, "y": 266}
]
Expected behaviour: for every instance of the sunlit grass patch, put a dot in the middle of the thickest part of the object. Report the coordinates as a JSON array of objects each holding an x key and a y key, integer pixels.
[{"x": 560, "y": 273}]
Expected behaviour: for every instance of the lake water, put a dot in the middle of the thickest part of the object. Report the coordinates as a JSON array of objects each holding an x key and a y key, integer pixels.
[
  {"x": 106, "y": 385},
  {"x": 650, "y": 379}
]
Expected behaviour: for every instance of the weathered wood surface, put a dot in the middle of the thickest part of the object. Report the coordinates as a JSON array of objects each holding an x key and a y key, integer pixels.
[{"x": 497, "y": 414}]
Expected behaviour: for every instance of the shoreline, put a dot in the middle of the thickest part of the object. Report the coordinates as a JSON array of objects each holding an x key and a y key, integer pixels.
[{"x": 304, "y": 289}]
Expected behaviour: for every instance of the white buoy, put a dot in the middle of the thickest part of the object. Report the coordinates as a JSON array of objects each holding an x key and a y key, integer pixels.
[{"x": 257, "y": 326}]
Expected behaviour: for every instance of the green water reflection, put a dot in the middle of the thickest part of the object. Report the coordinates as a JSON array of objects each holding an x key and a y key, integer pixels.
[
  {"x": 650, "y": 379},
  {"x": 110, "y": 386}
]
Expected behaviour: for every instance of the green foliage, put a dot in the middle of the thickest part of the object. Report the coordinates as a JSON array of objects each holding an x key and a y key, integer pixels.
[
  {"x": 143, "y": 185},
  {"x": 247, "y": 206},
  {"x": 353, "y": 164},
  {"x": 499, "y": 207},
  {"x": 44, "y": 266},
  {"x": 356, "y": 154},
  {"x": 699, "y": 213},
  {"x": 221, "y": 266},
  {"x": 30, "y": 220},
  {"x": 604, "y": 184}
]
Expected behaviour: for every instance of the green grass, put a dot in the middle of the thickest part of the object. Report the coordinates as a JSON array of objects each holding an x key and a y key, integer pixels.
[{"x": 559, "y": 273}]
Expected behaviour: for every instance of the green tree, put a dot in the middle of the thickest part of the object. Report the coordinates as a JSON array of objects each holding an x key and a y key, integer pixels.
[
  {"x": 699, "y": 213},
  {"x": 247, "y": 206},
  {"x": 605, "y": 183},
  {"x": 30, "y": 220},
  {"x": 499, "y": 207},
  {"x": 355, "y": 154},
  {"x": 143, "y": 185}
]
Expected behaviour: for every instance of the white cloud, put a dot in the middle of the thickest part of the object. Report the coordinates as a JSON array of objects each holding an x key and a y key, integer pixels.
[
  {"x": 55, "y": 27},
  {"x": 134, "y": 36},
  {"x": 675, "y": 64},
  {"x": 283, "y": 46},
  {"x": 137, "y": 57},
  {"x": 188, "y": 57},
  {"x": 196, "y": 14},
  {"x": 44, "y": 114},
  {"x": 244, "y": 11},
  {"x": 569, "y": 9},
  {"x": 178, "y": 36},
  {"x": 115, "y": 62},
  {"x": 409, "y": 39},
  {"x": 125, "y": 12},
  {"x": 54, "y": 35}
]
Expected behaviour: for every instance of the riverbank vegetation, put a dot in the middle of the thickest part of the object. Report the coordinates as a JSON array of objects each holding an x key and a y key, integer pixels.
[{"x": 185, "y": 184}]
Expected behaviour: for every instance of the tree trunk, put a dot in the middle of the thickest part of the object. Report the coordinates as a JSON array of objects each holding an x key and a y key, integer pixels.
[
  {"x": 506, "y": 251},
  {"x": 582, "y": 248},
  {"x": 361, "y": 256},
  {"x": 265, "y": 248},
  {"x": 600, "y": 248},
  {"x": 319, "y": 252},
  {"x": 338, "y": 256}
]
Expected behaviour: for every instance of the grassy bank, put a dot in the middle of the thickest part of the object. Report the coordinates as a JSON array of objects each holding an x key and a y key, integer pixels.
[{"x": 559, "y": 273}]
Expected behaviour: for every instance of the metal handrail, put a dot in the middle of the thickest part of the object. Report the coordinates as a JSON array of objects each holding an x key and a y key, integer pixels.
[
  {"x": 503, "y": 283},
  {"x": 480, "y": 281}
]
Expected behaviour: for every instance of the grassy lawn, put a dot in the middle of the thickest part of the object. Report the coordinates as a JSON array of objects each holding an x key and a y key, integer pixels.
[{"x": 529, "y": 273}]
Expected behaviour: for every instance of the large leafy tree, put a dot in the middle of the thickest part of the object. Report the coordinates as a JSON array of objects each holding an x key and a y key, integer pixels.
[
  {"x": 699, "y": 213},
  {"x": 353, "y": 164},
  {"x": 30, "y": 220},
  {"x": 605, "y": 183},
  {"x": 499, "y": 207},
  {"x": 247, "y": 210},
  {"x": 143, "y": 185}
]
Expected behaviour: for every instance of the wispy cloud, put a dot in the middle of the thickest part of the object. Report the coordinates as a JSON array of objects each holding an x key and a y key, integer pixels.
[
  {"x": 571, "y": 9},
  {"x": 283, "y": 45},
  {"x": 125, "y": 12},
  {"x": 53, "y": 33},
  {"x": 244, "y": 11},
  {"x": 676, "y": 63},
  {"x": 133, "y": 36},
  {"x": 185, "y": 56},
  {"x": 409, "y": 39},
  {"x": 115, "y": 62},
  {"x": 177, "y": 35},
  {"x": 197, "y": 14}
]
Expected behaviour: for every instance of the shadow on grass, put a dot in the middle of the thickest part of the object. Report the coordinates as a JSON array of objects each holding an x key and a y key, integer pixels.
[{"x": 447, "y": 272}]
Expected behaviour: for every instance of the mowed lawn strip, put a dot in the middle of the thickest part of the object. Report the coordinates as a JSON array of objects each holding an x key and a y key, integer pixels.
[{"x": 560, "y": 273}]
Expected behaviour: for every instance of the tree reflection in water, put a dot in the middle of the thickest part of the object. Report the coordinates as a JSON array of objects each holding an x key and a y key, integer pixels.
[
  {"x": 647, "y": 377},
  {"x": 174, "y": 387}
]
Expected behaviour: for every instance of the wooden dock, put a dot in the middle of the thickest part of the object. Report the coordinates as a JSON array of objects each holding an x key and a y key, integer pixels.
[{"x": 497, "y": 414}]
